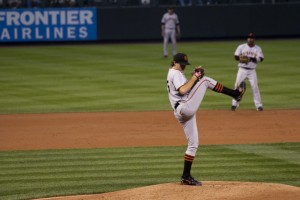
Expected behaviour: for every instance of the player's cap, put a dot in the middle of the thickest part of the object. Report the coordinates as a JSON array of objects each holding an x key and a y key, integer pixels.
[
  {"x": 181, "y": 58},
  {"x": 251, "y": 35}
]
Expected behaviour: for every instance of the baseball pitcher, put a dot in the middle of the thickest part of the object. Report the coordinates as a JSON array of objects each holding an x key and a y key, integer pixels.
[
  {"x": 248, "y": 55},
  {"x": 185, "y": 97}
]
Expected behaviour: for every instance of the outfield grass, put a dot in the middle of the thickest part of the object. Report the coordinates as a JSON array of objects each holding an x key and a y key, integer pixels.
[
  {"x": 131, "y": 77},
  {"x": 33, "y": 174}
]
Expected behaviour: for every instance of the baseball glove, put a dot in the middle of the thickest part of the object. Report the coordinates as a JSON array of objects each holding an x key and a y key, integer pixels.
[
  {"x": 244, "y": 59},
  {"x": 198, "y": 72}
]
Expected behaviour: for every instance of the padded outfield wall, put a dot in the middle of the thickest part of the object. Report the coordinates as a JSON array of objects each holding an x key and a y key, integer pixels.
[{"x": 143, "y": 23}]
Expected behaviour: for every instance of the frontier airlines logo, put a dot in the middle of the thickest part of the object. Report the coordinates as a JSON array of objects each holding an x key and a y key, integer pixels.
[{"x": 48, "y": 25}]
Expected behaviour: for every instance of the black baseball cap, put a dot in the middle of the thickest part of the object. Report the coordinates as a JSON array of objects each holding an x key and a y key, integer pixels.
[
  {"x": 181, "y": 58},
  {"x": 251, "y": 35}
]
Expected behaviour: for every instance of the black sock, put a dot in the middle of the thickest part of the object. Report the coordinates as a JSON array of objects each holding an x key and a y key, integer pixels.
[
  {"x": 220, "y": 88},
  {"x": 188, "y": 161}
]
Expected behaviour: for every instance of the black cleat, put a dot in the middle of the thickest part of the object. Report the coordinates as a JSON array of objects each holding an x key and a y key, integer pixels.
[
  {"x": 233, "y": 108},
  {"x": 242, "y": 90},
  {"x": 190, "y": 181},
  {"x": 260, "y": 108}
]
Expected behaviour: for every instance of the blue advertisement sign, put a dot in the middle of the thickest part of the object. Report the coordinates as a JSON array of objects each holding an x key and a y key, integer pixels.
[{"x": 51, "y": 24}]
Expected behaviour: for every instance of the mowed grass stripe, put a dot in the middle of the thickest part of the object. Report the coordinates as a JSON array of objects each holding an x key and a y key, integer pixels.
[
  {"x": 97, "y": 180},
  {"x": 79, "y": 184},
  {"x": 75, "y": 190},
  {"x": 169, "y": 169},
  {"x": 83, "y": 169},
  {"x": 71, "y": 168},
  {"x": 74, "y": 158},
  {"x": 30, "y": 173},
  {"x": 89, "y": 173},
  {"x": 58, "y": 164},
  {"x": 112, "y": 159},
  {"x": 130, "y": 158},
  {"x": 64, "y": 191},
  {"x": 216, "y": 150},
  {"x": 99, "y": 151},
  {"x": 78, "y": 187},
  {"x": 87, "y": 156},
  {"x": 272, "y": 152}
]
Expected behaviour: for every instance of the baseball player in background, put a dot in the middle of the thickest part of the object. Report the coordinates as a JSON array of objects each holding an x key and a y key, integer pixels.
[
  {"x": 185, "y": 97},
  {"x": 248, "y": 55},
  {"x": 170, "y": 29}
]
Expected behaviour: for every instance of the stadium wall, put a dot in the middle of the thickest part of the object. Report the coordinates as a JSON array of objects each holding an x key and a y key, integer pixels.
[
  {"x": 206, "y": 22},
  {"x": 143, "y": 23}
]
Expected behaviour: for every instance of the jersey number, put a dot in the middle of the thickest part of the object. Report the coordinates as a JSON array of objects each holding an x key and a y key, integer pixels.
[{"x": 168, "y": 86}]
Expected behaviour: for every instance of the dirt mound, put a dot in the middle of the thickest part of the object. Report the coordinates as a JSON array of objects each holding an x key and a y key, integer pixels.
[{"x": 211, "y": 190}]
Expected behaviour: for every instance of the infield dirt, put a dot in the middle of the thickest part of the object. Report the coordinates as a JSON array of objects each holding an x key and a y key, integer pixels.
[{"x": 125, "y": 129}]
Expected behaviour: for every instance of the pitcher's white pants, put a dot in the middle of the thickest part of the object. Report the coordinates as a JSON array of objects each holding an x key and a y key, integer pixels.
[{"x": 186, "y": 112}]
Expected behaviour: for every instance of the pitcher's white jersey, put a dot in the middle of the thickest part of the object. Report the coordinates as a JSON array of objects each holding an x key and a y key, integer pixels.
[
  {"x": 175, "y": 80},
  {"x": 251, "y": 52}
]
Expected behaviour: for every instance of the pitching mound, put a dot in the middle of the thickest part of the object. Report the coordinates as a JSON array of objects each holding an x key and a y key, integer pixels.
[{"x": 211, "y": 190}]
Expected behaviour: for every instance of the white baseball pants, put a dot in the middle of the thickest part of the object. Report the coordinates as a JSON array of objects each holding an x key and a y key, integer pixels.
[
  {"x": 186, "y": 112},
  {"x": 170, "y": 33},
  {"x": 249, "y": 74}
]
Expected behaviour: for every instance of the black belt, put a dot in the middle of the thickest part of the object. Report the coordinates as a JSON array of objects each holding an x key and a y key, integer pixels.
[
  {"x": 176, "y": 105},
  {"x": 247, "y": 68}
]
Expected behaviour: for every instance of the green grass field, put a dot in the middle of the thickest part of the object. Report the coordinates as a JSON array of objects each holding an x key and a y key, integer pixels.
[
  {"x": 32, "y": 174},
  {"x": 131, "y": 77}
]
